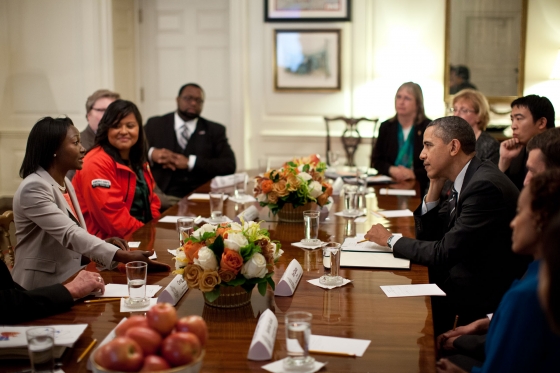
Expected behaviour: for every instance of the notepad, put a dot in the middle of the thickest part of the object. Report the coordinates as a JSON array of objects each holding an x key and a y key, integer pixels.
[
  {"x": 372, "y": 260},
  {"x": 393, "y": 213},
  {"x": 351, "y": 244},
  {"x": 397, "y": 192},
  {"x": 119, "y": 290},
  {"x": 418, "y": 290}
]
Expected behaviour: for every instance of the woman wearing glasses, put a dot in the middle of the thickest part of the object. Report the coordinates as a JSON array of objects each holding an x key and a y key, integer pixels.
[
  {"x": 473, "y": 107},
  {"x": 398, "y": 146},
  {"x": 115, "y": 188}
]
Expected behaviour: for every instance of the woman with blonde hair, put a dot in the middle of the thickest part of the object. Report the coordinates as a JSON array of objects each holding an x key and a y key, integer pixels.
[
  {"x": 473, "y": 107},
  {"x": 398, "y": 146}
]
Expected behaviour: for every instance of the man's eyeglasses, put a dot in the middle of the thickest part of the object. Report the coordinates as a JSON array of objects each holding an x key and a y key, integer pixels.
[
  {"x": 98, "y": 110},
  {"x": 461, "y": 111},
  {"x": 196, "y": 100}
]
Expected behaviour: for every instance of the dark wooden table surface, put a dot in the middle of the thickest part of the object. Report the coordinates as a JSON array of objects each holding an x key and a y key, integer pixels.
[{"x": 400, "y": 329}]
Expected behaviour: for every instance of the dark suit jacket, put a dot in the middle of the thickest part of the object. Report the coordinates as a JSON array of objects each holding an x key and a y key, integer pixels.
[
  {"x": 518, "y": 168},
  {"x": 474, "y": 249},
  {"x": 19, "y": 305},
  {"x": 209, "y": 143},
  {"x": 386, "y": 149}
]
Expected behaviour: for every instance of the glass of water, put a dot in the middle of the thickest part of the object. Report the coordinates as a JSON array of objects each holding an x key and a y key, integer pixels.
[
  {"x": 331, "y": 264},
  {"x": 240, "y": 192},
  {"x": 185, "y": 227},
  {"x": 350, "y": 199},
  {"x": 40, "y": 344},
  {"x": 216, "y": 206},
  {"x": 136, "y": 277},
  {"x": 311, "y": 227},
  {"x": 298, "y": 333}
]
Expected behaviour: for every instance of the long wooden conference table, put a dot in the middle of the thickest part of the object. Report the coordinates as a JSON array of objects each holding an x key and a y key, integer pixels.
[{"x": 400, "y": 329}]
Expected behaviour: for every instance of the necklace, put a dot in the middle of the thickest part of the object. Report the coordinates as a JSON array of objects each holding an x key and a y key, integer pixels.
[{"x": 61, "y": 187}]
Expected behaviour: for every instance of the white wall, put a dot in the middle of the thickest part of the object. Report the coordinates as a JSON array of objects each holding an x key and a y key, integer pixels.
[{"x": 57, "y": 52}]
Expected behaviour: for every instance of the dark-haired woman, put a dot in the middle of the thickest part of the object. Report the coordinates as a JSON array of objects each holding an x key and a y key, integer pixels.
[
  {"x": 50, "y": 229},
  {"x": 115, "y": 188}
]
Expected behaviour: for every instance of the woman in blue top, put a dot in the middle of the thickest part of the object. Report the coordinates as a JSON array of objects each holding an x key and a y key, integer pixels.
[
  {"x": 397, "y": 149},
  {"x": 519, "y": 338}
]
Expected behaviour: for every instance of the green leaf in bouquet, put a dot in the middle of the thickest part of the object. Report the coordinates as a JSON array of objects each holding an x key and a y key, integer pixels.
[
  {"x": 262, "y": 288},
  {"x": 248, "y": 287},
  {"x": 291, "y": 164},
  {"x": 271, "y": 282},
  {"x": 238, "y": 280},
  {"x": 212, "y": 295},
  {"x": 248, "y": 251},
  {"x": 306, "y": 168},
  {"x": 218, "y": 248}
]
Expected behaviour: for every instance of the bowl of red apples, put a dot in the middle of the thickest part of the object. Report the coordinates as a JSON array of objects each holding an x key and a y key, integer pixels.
[{"x": 157, "y": 342}]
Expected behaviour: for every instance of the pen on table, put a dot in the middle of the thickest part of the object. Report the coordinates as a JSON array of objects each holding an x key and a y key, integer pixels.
[
  {"x": 362, "y": 241},
  {"x": 455, "y": 323},
  {"x": 102, "y": 300},
  {"x": 378, "y": 214},
  {"x": 88, "y": 349},
  {"x": 332, "y": 353}
]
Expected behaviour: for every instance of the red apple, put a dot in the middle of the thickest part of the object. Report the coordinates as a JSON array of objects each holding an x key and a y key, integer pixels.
[
  {"x": 162, "y": 318},
  {"x": 194, "y": 324},
  {"x": 154, "y": 363},
  {"x": 180, "y": 348},
  {"x": 129, "y": 323},
  {"x": 121, "y": 354},
  {"x": 148, "y": 339}
]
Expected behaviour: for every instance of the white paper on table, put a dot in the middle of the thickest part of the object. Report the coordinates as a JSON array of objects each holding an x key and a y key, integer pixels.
[
  {"x": 392, "y": 213},
  {"x": 126, "y": 308},
  {"x": 225, "y": 219},
  {"x": 372, "y": 260},
  {"x": 397, "y": 192},
  {"x": 278, "y": 366},
  {"x": 243, "y": 199},
  {"x": 264, "y": 337},
  {"x": 153, "y": 256},
  {"x": 335, "y": 344},
  {"x": 172, "y": 252},
  {"x": 64, "y": 335},
  {"x": 418, "y": 290},
  {"x": 120, "y": 290},
  {"x": 317, "y": 283},
  {"x": 204, "y": 196},
  {"x": 349, "y": 215},
  {"x": 362, "y": 219},
  {"x": 309, "y": 246},
  {"x": 351, "y": 244},
  {"x": 289, "y": 280},
  {"x": 172, "y": 218},
  {"x": 134, "y": 244},
  {"x": 174, "y": 291}
]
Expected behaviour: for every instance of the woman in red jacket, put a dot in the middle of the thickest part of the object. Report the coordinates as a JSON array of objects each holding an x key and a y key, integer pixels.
[{"x": 115, "y": 187}]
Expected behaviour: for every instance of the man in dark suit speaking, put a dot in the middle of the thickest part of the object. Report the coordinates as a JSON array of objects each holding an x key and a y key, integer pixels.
[
  {"x": 464, "y": 235},
  {"x": 185, "y": 149}
]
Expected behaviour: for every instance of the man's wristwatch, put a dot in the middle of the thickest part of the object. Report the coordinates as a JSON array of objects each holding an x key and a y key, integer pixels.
[{"x": 389, "y": 241}]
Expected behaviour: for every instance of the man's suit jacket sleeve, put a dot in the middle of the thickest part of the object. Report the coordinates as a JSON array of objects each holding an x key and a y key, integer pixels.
[
  {"x": 480, "y": 207},
  {"x": 223, "y": 162},
  {"x": 19, "y": 305}
]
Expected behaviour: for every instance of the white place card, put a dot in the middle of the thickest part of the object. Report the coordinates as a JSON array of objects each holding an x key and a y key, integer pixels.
[
  {"x": 418, "y": 290},
  {"x": 278, "y": 367},
  {"x": 126, "y": 308},
  {"x": 289, "y": 280},
  {"x": 397, "y": 192},
  {"x": 134, "y": 244},
  {"x": 262, "y": 344},
  {"x": 174, "y": 291},
  {"x": 249, "y": 214}
]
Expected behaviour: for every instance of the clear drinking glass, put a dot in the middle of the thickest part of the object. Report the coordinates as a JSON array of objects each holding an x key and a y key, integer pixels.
[
  {"x": 331, "y": 264},
  {"x": 40, "y": 344},
  {"x": 185, "y": 227},
  {"x": 298, "y": 333},
  {"x": 136, "y": 277},
  {"x": 240, "y": 192},
  {"x": 311, "y": 227},
  {"x": 216, "y": 206},
  {"x": 350, "y": 199}
]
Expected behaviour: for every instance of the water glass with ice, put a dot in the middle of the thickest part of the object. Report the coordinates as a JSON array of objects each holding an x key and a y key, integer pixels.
[
  {"x": 40, "y": 344},
  {"x": 185, "y": 227},
  {"x": 216, "y": 206},
  {"x": 136, "y": 277},
  {"x": 311, "y": 226},
  {"x": 331, "y": 265},
  {"x": 298, "y": 333}
]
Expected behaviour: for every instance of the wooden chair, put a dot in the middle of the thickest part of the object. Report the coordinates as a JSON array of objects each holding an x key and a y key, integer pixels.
[
  {"x": 6, "y": 248},
  {"x": 350, "y": 138}
]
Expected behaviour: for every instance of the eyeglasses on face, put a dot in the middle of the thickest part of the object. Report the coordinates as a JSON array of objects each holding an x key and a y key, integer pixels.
[
  {"x": 99, "y": 110},
  {"x": 196, "y": 100},
  {"x": 461, "y": 111}
]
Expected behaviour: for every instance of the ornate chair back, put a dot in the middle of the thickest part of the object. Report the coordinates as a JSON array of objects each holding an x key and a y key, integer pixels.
[{"x": 350, "y": 138}]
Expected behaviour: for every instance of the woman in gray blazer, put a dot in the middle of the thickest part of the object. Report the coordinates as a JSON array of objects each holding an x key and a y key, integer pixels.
[{"x": 52, "y": 241}]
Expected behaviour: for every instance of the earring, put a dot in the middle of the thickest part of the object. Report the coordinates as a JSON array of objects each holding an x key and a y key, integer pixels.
[{"x": 55, "y": 154}]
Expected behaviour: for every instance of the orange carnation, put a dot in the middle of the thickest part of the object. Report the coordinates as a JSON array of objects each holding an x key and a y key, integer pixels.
[
  {"x": 191, "y": 250},
  {"x": 231, "y": 261},
  {"x": 266, "y": 186}
]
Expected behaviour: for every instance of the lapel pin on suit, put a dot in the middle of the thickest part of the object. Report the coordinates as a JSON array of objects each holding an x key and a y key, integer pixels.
[{"x": 202, "y": 132}]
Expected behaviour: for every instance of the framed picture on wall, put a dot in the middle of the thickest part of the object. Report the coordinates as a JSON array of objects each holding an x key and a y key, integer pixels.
[
  {"x": 307, "y": 60},
  {"x": 307, "y": 10}
]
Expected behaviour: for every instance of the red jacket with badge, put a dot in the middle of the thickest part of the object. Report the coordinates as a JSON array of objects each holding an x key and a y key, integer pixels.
[{"x": 105, "y": 191}]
